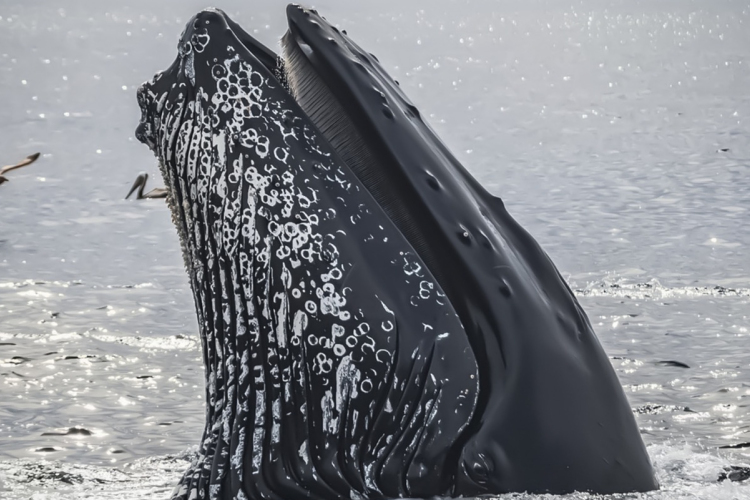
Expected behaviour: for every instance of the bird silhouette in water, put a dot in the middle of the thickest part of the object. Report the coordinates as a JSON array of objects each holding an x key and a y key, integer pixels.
[
  {"x": 140, "y": 185},
  {"x": 26, "y": 161}
]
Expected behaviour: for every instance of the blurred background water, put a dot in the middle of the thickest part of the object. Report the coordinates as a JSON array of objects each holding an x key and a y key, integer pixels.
[{"x": 617, "y": 132}]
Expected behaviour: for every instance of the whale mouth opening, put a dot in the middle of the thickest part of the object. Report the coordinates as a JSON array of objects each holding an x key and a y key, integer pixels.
[{"x": 335, "y": 116}]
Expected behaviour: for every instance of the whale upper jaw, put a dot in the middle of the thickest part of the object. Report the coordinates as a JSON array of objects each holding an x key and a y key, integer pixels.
[
  {"x": 549, "y": 399},
  {"x": 544, "y": 411}
]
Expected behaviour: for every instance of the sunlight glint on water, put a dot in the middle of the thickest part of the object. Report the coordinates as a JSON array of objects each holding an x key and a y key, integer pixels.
[{"x": 616, "y": 132}]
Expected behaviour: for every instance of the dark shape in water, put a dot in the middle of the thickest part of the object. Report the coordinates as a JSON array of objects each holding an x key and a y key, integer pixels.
[
  {"x": 656, "y": 409},
  {"x": 735, "y": 473},
  {"x": 676, "y": 364},
  {"x": 374, "y": 323},
  {"x": 735, "y": 446},
  {"x": 72, "y": 431}
]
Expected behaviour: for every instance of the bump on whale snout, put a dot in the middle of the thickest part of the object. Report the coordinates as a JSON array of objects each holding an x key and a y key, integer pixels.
[{"x": 481, "y": 468}]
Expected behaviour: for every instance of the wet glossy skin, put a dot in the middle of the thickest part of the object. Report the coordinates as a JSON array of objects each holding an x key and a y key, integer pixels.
[
  {"x": 330, "y": 351},
  {"x": 551, "y": 414},
  {"x": 384, "y": 335}
]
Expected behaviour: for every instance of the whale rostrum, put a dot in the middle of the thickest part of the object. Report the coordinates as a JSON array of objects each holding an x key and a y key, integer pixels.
[{"x": 374, "y": 324}]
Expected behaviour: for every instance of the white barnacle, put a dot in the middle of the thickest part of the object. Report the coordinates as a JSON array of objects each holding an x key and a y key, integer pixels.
[
  {"x": 327, "y": 404},
  {"x": 337, "y": 331},
  {"x": 425, "y": 289},
  {"x": 411, "y": 265},
  {"x": 302, "y": 452}
]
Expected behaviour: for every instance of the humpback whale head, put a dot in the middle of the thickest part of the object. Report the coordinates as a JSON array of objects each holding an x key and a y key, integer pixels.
[{"x": 374, "y": 323}]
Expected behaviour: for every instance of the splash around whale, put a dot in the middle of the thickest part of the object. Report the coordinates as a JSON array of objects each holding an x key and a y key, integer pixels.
[{"x": 374, "y": 324}]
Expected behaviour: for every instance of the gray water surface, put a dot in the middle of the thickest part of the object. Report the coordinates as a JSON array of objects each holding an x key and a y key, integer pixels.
[{"x": 616, "y": 132}]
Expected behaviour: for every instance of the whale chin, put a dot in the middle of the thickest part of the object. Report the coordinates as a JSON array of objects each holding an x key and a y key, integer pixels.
[{"x": 374, "y": 324}]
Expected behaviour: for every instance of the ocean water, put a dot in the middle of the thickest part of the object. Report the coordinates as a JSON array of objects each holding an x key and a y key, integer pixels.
[{"x": 615, "y": 131}]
